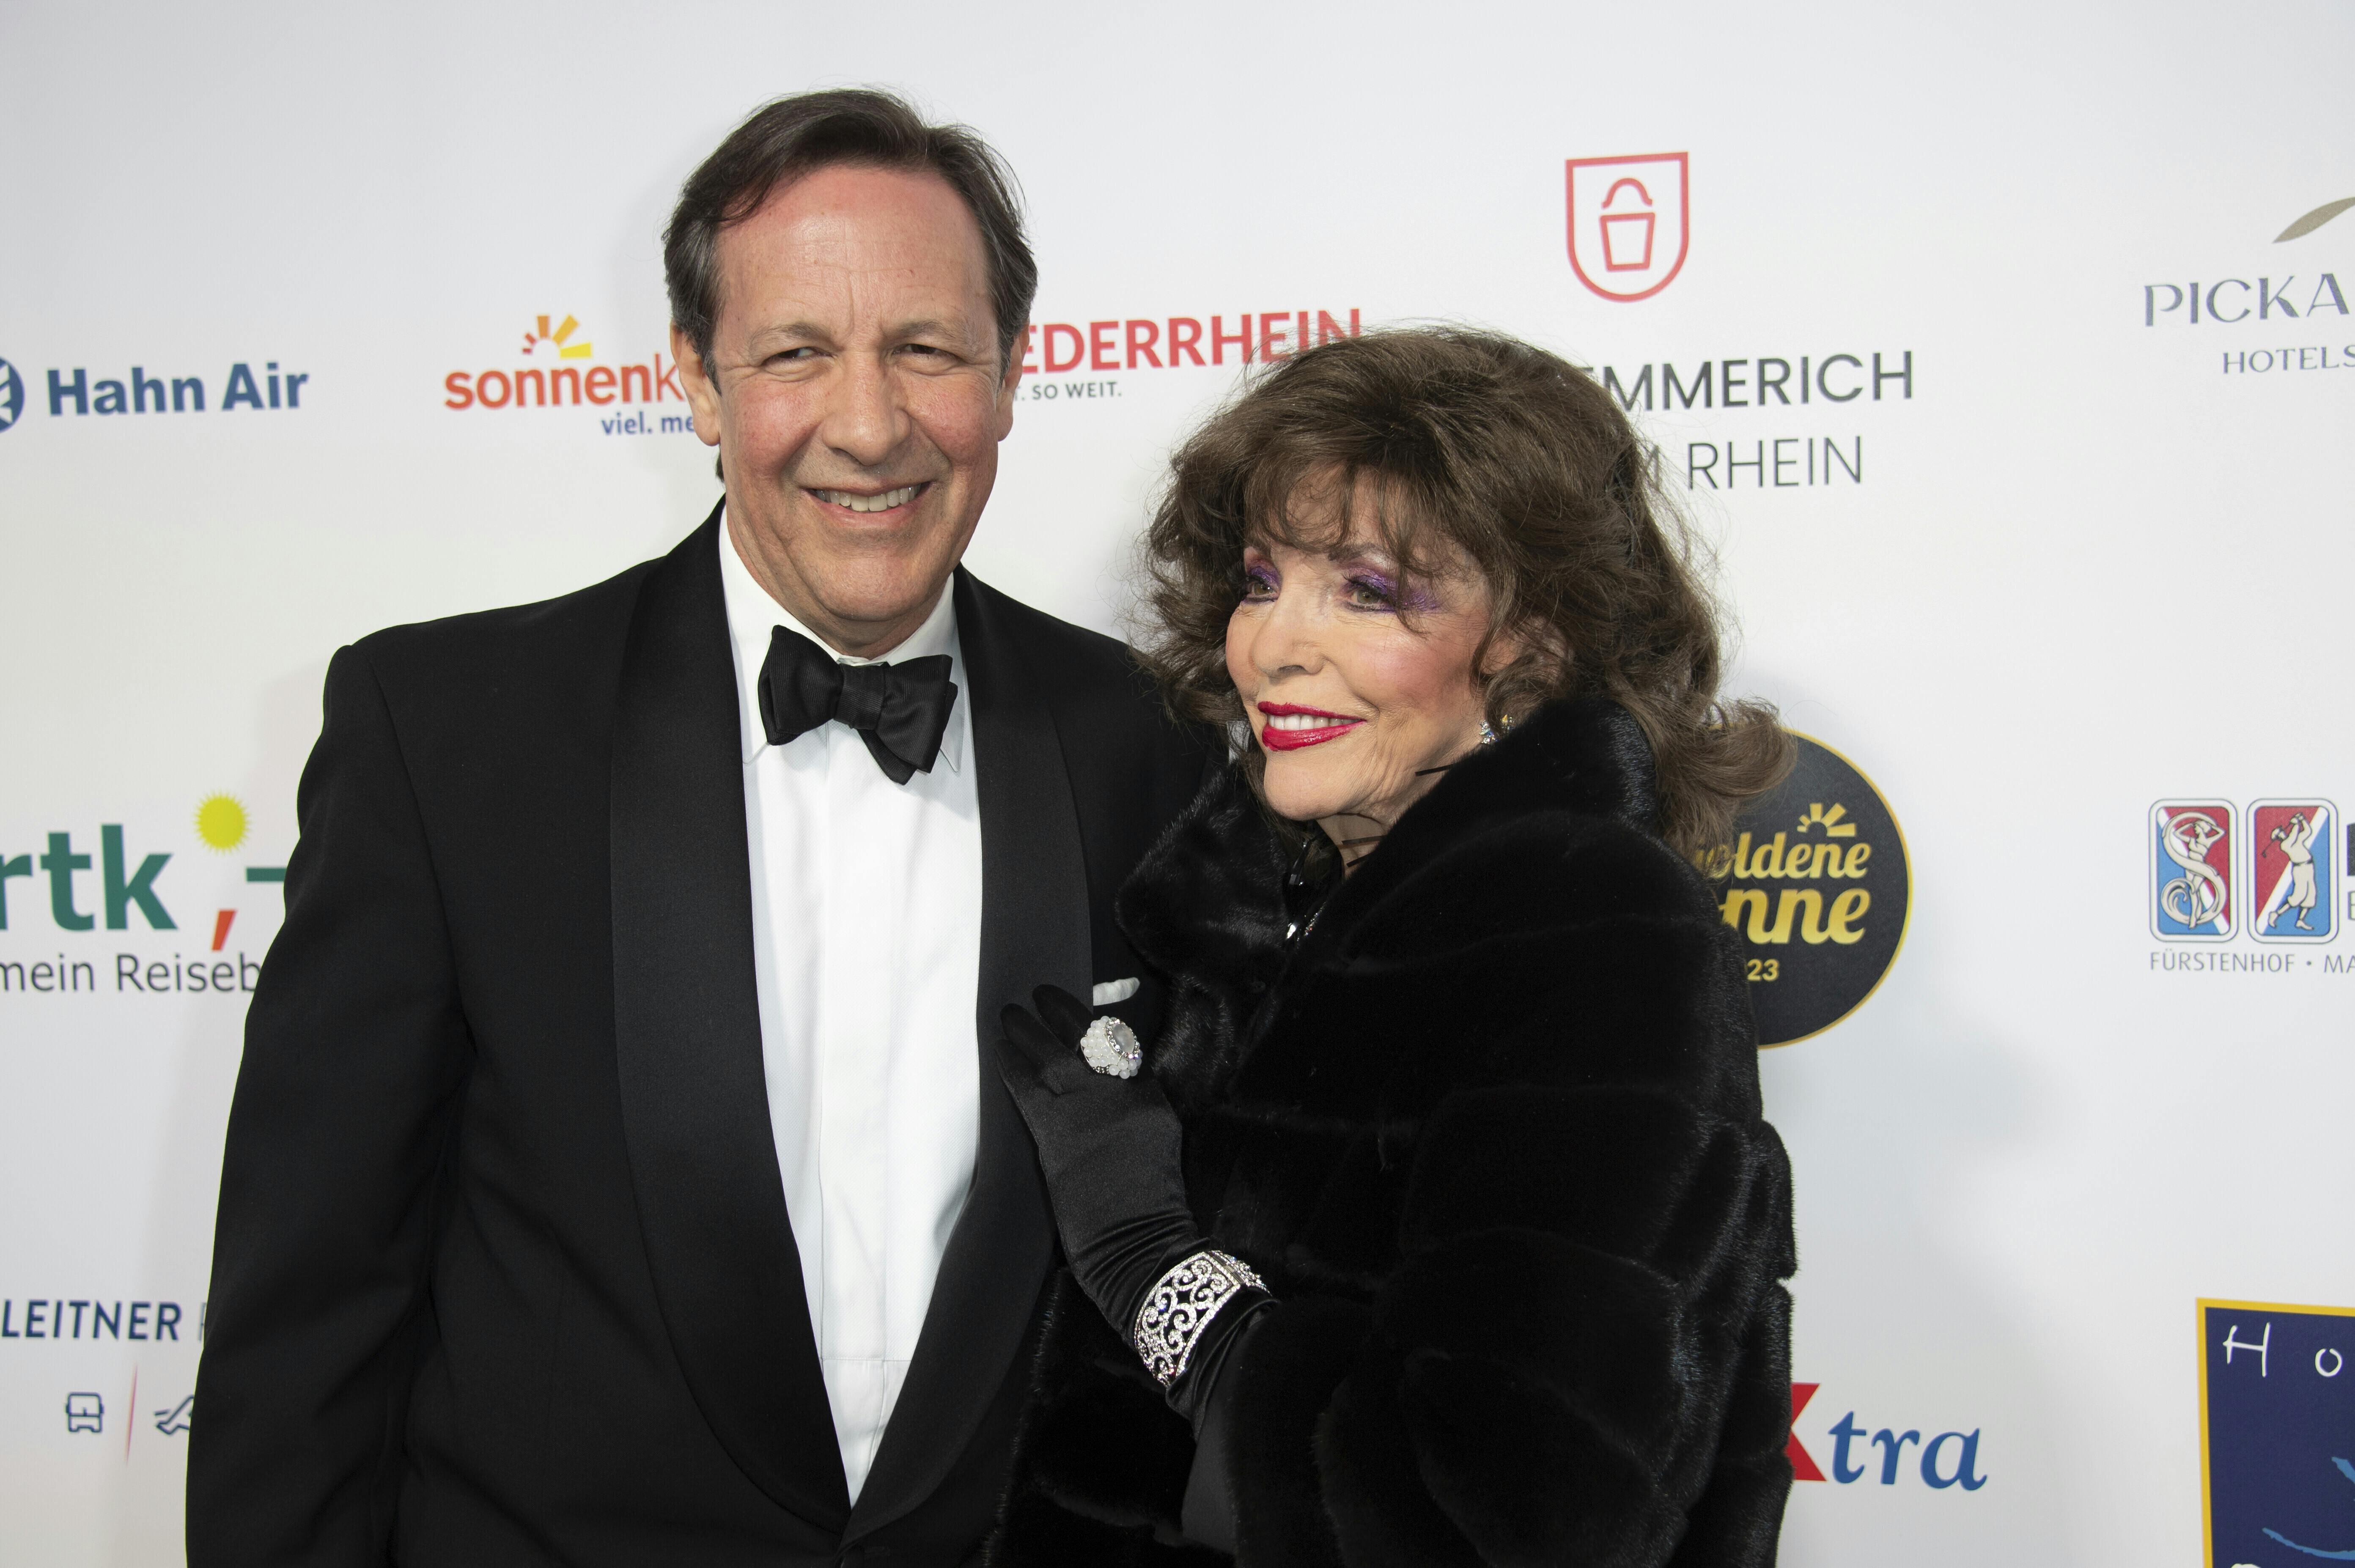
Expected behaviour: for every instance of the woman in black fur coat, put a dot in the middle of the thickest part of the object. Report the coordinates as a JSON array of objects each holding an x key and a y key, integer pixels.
[{"x": 1442, "y": 1225}]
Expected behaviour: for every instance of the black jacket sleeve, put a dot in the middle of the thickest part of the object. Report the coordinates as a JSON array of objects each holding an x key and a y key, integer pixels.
[
  {"x": 355, "y": 1051},
  {"x": 1552, "y": 1382}
]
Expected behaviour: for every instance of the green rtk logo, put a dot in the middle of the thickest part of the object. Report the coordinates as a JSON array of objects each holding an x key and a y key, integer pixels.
[
  {"x": 112, "y": 885},
  {"x": 122, "y": 890}
]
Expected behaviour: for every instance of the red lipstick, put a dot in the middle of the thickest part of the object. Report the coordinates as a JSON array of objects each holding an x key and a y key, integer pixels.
[{"x": 1289, "y": 739}]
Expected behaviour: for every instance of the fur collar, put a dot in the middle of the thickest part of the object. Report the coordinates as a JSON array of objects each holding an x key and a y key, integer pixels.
[{"x": 1205, "y": 905}]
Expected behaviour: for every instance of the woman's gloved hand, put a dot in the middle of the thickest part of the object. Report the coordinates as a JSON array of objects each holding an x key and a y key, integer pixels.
[{"x": 1111, "y": 1150}]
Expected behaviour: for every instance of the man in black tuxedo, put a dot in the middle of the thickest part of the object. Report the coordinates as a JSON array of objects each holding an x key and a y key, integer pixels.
[{"x": 617, "y": 1174}]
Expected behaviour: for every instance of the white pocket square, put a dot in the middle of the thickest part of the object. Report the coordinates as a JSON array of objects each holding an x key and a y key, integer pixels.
[{"x": 1111, "y": 993}]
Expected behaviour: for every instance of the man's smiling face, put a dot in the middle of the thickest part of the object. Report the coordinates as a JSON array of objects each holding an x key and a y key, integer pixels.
[{"x": 854, "y": 391}]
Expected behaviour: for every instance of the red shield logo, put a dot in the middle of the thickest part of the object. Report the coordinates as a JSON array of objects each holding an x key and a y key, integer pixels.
[{"x": 1629, "y": 223}]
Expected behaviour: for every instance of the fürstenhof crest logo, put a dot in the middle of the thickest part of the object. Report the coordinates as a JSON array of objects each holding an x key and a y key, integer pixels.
[
  {"x": 2293, "y": 879},
  {"x": 2191, "y": 860},
  {"x": 1629, "y": 223},
  {"x": 12, "y": 394}
]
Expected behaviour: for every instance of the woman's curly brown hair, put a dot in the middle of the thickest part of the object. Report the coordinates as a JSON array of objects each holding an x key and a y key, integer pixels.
[{"x": 1523, "y": 462}]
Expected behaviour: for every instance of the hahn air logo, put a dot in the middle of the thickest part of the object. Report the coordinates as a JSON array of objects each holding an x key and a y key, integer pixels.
[
  {"x": 624, "y": 396},
  {"x": 1630, "y": 223},
  {"x": 122, "y": 882},
  {"x": 141, "y": 390}
]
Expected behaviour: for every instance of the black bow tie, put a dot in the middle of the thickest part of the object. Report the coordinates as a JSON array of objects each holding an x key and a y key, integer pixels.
[{"x": 900, "y": 711}]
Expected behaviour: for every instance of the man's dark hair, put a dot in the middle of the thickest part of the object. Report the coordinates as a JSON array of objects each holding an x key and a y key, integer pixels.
[{"x": 796, "y": 136}]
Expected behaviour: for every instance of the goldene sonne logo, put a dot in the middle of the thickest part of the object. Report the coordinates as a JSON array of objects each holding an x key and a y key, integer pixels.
[{"x": 1818, "y": 882}]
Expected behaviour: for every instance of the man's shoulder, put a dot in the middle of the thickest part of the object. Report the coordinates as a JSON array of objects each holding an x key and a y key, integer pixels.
[
  {"x": 1075, "y": 665},
  {"x": 1094, "y": 682},
  {"x": 512, "y": 672},
  {"x": 1074, "y": 649},
  {"x": 559, "y": 626}
]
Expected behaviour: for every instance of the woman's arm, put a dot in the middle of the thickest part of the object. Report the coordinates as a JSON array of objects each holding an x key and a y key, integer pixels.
[
  {"x": 1109, "y": 1147},
  {"x": 1588, "y": 1296}
]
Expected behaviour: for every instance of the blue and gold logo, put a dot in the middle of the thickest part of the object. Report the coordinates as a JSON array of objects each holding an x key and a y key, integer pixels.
[{"x": 1818, "y": 882}]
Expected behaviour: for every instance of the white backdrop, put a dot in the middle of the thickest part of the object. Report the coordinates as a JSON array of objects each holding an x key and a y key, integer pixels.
[{"x": 2089, "y": 565}]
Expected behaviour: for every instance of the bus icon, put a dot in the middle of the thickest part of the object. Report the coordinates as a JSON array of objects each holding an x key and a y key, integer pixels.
[{"x": 85, "y": 1413}]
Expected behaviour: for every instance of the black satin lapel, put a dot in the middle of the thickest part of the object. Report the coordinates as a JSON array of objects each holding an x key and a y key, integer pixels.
[
  {"x": 1034, "y": 932},
  {"x": 686, "y": 1022}
]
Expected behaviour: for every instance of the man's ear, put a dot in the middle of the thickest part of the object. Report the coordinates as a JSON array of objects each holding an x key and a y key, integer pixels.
[
  {"x": 1007, "y": 386},
  {"x": 702, "y": 392}
]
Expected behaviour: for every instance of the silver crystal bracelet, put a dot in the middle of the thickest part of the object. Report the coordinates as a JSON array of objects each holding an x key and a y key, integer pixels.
[{"x": 1180, "y": 1307}]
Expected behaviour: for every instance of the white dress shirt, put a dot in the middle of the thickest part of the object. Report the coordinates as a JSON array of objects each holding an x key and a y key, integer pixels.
[{"x": 867, "y": 950}]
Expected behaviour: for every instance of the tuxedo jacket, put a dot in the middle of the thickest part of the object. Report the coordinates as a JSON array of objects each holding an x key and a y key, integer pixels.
[{"x": 503, "y": 1272}]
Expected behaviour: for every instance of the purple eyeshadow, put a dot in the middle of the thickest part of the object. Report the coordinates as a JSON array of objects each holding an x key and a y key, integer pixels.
[{"x": 1414, "y": 599}]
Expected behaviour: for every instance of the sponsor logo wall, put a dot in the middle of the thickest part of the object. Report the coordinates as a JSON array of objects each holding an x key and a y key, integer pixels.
[
  {"x": 2000, "y": 383},
  {"x": 1822, "y": 921},
  {"x": 2273, "y": 1419}
]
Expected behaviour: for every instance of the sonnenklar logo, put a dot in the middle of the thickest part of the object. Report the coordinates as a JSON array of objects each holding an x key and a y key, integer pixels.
[
  {"x": 1629, "y": 223},
  {"x": 617, "y": 393},
  {"x": 12, "y": 394},
  {"x": 1817, "y": 881}
]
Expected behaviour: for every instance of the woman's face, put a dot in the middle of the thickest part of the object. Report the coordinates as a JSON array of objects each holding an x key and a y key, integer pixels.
[{"x": 1356, "y": 680}]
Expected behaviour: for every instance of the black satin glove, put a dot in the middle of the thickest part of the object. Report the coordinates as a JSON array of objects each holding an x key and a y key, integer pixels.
[{"x": 1111, "y": 1150}]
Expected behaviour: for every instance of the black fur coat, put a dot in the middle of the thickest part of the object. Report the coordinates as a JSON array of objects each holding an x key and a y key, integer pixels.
[{"x": 1491, "y": 1131}]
